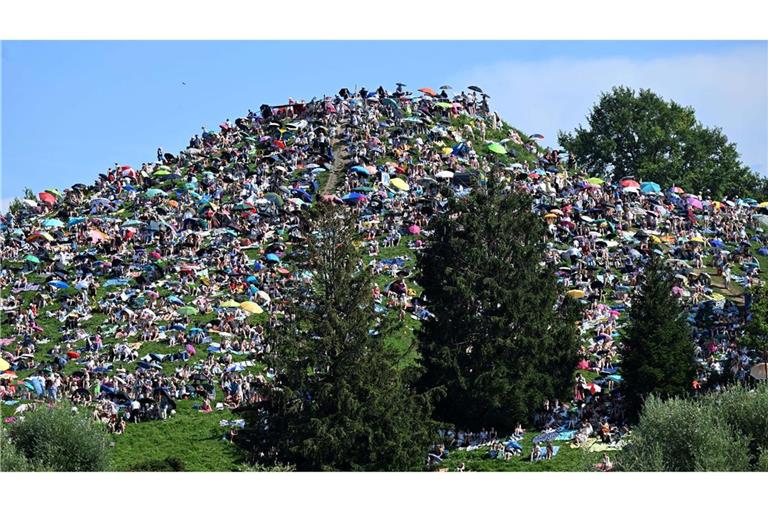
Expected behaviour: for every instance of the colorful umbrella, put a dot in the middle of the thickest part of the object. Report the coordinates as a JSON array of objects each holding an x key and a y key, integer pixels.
[
  {"x": 399, "y": 184},
  {"x": 52, "y": 223},
  {"x": 650, "y": 187},
  {"x": 186, "y": 311},
  {"x": 47, "y": 197},
  {"x": 428, "y": 91},
  {"x": 497, "y": 148},
  {"x": 251, "y": 307}
]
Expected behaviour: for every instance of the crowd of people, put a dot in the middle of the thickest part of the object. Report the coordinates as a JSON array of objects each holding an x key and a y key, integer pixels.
[{"x": 163, "y": 282}]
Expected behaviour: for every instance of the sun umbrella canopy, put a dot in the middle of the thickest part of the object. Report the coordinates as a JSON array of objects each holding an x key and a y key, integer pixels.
[
  {"x": 153, "y": 192},
  {"x": 650, "y": 186},
  {"x": 4, "y": 365},
  {"x": 694, "y": 202},
  {"x": 251, "y": 307},
  {"x": 75, "y": 220},
  {"x": 52, "y": 223},
  {"x": 272, "y": 257},
  {"x": 428, "y": 91},
  {"x": 414, "y": 229},
  {"x": 629, "y": 183},
  {"x": 47, "y": 197},
  {"x": 399, "y": 183},
  {"x": 32, "y": 259},
  {"x": 575, "y": 294},
  {"x": 595, "y": 181},
  {"x": 497, "y": 148},
  {"x": 58, "y": 284},
  {"x": 186, "y": 310},
  {"x": 444, "y": 175}
]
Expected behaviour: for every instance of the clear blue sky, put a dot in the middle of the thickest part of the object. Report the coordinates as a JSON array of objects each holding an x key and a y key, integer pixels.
[{"x": 71, "y": 109}]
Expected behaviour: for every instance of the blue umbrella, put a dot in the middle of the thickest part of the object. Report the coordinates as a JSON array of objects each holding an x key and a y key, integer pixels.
[
  {"x": 52, "y": 223},
  {"x": 763, "y": 251},
  {"x": 650, "y": 186},
  {"x": 717, "y": 243},
  {"x": 354, "y": 197},
  {"x": 251, "y": 279},
  {"x": 360, "y": 170},
  {"x": 175, "y": 300},
  {"x": 75, "y": 220},
  {"x": 302, "y": 194},
  {"x": 615, "y": 378},
  {"x": 258, "y": 266},
  {"x": 274, "y": 258},
  {"x": 58, "y": 284}
]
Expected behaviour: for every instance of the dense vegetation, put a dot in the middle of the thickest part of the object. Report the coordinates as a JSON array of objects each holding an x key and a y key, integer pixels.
[
  {"x": 639, "y": 133},
  {"x": 500, "y": 343}
]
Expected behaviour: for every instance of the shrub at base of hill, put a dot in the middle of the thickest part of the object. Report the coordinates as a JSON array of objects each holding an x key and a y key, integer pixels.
[
  {"x": 10, "y": 458},
  {"x": 723, "y": 431},
  {"x": 171, "y": 464},
  {"x": 56, "y": 439}
]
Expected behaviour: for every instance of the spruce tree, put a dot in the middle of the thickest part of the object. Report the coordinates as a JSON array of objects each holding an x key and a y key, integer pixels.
[
  {"x": 340, "y": 401},
  {"x": 658, "y": 353},
  {"x": 501, "y": 342}
]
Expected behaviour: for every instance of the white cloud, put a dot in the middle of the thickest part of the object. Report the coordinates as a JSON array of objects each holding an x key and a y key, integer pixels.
[{"x": 727, "y": 89}]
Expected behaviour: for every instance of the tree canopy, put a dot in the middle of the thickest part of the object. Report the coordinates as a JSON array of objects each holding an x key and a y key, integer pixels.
[
  {"x": 500, "y": 343},
  {"x": 658, "y": 351},
  {"x": 341, "y": 401},
  {"x": 643, "y": 135}
]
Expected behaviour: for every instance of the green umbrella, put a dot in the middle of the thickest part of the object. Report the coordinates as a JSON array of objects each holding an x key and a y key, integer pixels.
[
  {"x": 161, "y": 172},
  {"x": 443, "y": 104},
  {"x": 33, "y": 259},
  {"x": 186, "y": 310},
  {"x": 497, "y": 148}
]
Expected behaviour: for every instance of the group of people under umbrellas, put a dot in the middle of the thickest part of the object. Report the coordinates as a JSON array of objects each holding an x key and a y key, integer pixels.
[{"x": 163, "y": 282}]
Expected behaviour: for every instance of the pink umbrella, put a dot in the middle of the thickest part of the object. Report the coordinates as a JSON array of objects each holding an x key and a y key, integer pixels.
[
  {"x": 191, "y": 350},
  {"x": 694, "y": 202},
  {"x": 677, "y": 291},
  {"x": 155, "y": 255},
  {"x": 583, "y": 365},
  {"x": 414, "y": 229}
]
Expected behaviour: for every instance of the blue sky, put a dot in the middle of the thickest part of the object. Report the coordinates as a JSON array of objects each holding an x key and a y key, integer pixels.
[{"x": 71, "y": 109}]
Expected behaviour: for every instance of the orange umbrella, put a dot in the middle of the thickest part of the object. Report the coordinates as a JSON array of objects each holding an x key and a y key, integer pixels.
[
  {"x": 428, "y": 91},
  {"x": 173, "y": 203}
]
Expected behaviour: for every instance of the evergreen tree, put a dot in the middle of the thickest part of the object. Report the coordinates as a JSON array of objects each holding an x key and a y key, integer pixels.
[
  {"x": 658, "y": 352},
  {"x": 340, "y": 402},
  {"x": 500, "y": 343}
]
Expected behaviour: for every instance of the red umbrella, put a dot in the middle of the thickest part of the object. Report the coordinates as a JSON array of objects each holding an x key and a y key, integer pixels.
[
  {"x": 155, "y": 255},
  {"x": 630, "y": 183},
  {"x": 73, "y": 355},
  {"x": 428, "y": 91},
  {"x": 283, "y": 270},
  {"x": 47, "y": 197}
]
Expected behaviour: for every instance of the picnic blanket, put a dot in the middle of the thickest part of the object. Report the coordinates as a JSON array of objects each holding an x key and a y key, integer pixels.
[{"x": 543, "y": 452}]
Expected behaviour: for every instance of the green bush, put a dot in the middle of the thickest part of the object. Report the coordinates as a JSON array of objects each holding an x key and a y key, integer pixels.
[
  {"x": 56, "y": 439},
  {"x": 10, "y": 458},
  {"x": 726, "y": 431}
]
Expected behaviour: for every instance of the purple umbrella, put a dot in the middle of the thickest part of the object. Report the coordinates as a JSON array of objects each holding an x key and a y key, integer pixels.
[{"x": 191, "y": 350}]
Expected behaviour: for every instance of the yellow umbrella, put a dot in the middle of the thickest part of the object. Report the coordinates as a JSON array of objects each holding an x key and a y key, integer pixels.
[
  {"x": 575, "y": 294},
  {"x": 717, "y": 297},
  {"x": 399, "y": 183},
  {"x": 447, "y": 151},
  {"x": 251, "y": 307},
  {"x": 550, "y": 216},
  {"x": 595, "y": 181},
  {"x": 698, "y": 239},
  {"x": 764, "y": 204},
  {"x": 655, "y": 239},
  {"x": 230, "y": 304},
  {"x": 4, "y": 365}
]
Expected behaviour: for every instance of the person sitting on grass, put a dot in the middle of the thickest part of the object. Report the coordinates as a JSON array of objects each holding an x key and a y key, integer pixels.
[
  {"x": 536, "y": 452},
  {"x": 605, "y": 464}
]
